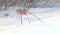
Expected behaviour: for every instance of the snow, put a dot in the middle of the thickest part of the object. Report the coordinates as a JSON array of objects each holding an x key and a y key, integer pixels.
[{"x": 50, "y": 16}]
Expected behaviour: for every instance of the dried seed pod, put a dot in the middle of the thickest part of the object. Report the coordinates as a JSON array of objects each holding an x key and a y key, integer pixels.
[
  {"x": 22, "y": 11},
  {"x": 6, "y": 15}
]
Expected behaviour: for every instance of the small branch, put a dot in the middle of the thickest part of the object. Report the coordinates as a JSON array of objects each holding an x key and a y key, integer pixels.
[
  {"x": 28, "y": 19},
  {"x": 21, "y": 19},
  {"x": 36, "y": 17}
]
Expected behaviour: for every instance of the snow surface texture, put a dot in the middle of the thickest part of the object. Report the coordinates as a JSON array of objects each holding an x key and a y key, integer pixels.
[
  {"x": 51, "y": 17},
  {"x": 14, "y": 18}
]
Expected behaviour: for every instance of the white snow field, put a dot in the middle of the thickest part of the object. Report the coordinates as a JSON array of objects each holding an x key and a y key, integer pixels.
[{"x": 50, "y": 17}]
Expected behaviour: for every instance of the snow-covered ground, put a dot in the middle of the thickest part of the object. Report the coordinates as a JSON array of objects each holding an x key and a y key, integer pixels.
[{"x": 50, "y": 17}]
